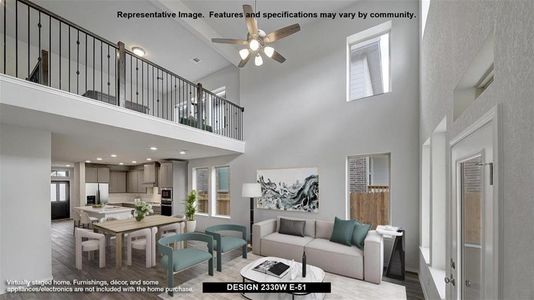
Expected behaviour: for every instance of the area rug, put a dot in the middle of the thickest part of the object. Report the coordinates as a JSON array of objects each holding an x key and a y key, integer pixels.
[{"x": 342, "y": 287}]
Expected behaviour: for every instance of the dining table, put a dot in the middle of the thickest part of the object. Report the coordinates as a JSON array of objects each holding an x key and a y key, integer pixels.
[{"x": 120, "y": 227}]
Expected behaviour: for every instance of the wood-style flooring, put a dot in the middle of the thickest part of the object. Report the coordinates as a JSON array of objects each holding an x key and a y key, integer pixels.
[{"x": 63, "y": 268}]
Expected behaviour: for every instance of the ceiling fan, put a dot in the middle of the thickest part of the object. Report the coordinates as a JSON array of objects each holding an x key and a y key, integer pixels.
[{"x": 258, "y": 41}]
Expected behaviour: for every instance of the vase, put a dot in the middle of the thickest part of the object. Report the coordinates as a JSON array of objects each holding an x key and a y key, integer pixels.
[
  {"x": 139, "y": 218},
  {"x": 190, "y": 226}
]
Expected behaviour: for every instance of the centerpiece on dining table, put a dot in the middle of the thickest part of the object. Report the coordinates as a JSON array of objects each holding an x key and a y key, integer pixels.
[{"x": 142, "y": 209}]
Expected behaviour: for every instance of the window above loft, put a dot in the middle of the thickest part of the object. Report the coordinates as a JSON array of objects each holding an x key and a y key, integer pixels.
[{"x": 368, "y": 62}]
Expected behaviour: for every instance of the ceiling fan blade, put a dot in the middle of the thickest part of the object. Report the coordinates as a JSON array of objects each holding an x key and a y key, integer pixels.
[
  {"x": 252, "y": 25},
  {"x": 278, "y": 57},
  {"x": 243, "y": 62},
  {"x": 229, "y": 41},
  {"x": 281, "y": 33}
]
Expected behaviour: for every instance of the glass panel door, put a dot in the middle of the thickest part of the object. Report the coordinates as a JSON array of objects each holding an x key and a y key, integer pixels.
[{"x": 472, "y": 185}]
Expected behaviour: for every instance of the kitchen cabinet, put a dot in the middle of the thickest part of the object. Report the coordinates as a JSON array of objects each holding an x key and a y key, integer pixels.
[
  {"x": 165, "y": 175},
  {"x": 150, "y": 174},
  {"x": 134, "y": 182},
  {"x": 96, "y": 175},
  {"x": 117, "y": 182},
  {"x": 103, "y": 175}
]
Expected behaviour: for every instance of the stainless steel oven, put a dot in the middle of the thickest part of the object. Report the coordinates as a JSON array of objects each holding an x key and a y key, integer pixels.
[{"x": 166, "y": 202}]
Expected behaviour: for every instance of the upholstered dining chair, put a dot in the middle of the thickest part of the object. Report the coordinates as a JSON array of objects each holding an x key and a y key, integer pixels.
[
  {"x": 171, "y": 229},
  {"x": 143, "y": 239},
  {"x": 225, "y": 244},
  {"x": 175, "y": 261},
  {"x": 94, "y": 242}
]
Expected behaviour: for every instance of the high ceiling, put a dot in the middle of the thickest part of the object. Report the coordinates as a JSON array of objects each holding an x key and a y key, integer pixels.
[
  {"x": 173, "y": 43},
  {"x": 166, "y": 41}
]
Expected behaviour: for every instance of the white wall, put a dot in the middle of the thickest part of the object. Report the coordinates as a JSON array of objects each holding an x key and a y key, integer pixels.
[
  {"x": 297, "y": 116},
  {"x": 25, "y": 162},
  {"x": 454, "y": 33},
  {"x": 227, "y": 77}
]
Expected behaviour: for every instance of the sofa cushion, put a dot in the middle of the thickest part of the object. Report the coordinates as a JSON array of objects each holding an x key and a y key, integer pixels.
[
  {"x": 309, "y": 228},
  {"x": 335, "y": 257},
  {"x": 283, "y": 245},
  {"x": 342, "y": 232},
  {"x": 359, "y": 234},
  {"x": 185, "y": 258},
  {"x": 292, "y": 227},
  {"x": 229, "y": 243},
  {"x": 323, "y": 229}
]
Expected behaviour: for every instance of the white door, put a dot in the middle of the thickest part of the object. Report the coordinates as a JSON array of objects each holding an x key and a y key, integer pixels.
[{"x": 473, "y": 215}]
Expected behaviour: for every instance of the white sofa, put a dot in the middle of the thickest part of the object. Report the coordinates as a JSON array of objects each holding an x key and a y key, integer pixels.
[{"x": 320, "y": 251}]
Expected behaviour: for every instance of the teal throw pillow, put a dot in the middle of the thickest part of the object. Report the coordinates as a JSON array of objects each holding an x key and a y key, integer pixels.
[
  {"x": 359, "y": 234},
  {"x": 342, "y": 232}
]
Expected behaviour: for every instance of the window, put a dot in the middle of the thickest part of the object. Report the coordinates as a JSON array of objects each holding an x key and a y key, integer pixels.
[
  {"x": 222, "y": 189},
  {"x": 368, "y": 62},
  {"x": 59, "y": 173},
  {"x": 201, "y": 185},
  {"x": 368, "y": 188},
  {"x": 59, "y": 192}
]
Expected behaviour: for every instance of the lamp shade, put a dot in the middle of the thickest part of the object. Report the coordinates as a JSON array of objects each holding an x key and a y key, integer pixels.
[{"x": 251, "y": 190}]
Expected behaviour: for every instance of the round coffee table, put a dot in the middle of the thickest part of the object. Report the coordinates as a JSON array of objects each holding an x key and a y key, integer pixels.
[{"x": 313, "y": 274}]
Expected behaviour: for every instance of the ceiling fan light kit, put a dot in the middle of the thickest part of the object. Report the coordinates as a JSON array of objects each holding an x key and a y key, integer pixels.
[{"x": 258, "y": 41}]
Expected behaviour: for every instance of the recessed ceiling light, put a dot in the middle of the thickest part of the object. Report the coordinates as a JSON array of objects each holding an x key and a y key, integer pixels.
[
  {"x": 121, "y": 164},
  {"x": 183, "y": 152},
  {"x": 67, "y": 166},
  {"x": 149, "y": 159},
  {"x": 138, "y": 51},
  {"x": 113, "y": 155},
  {"x": 87, "y": 161},
  {"x": 153, "y": 148},
  {"x": 99, "y": 158},
  {"x": 134, "y": 162},
  {"x": 196, "y": 60}
]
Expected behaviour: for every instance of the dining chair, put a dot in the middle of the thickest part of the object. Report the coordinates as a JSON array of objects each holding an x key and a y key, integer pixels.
[
  {"x": 142, "y": 239},
  {"x": 94, "y": 242},
  {"x": 171, "y": 229},
  {"x": 86, "y": 221}
]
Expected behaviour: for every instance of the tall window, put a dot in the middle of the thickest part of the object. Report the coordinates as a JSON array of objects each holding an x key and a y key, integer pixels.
[
  {"x": 222, "y": 191},
  {"x": 201, "y": 185},
  {"x": 368, "y": 62},
  {"x": 368, "y": 184}
]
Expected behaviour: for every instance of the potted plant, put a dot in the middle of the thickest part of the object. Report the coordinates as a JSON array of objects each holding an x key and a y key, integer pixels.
[
  {"x": 190, "y": 210},
  {"x": 142, "y": 209}
]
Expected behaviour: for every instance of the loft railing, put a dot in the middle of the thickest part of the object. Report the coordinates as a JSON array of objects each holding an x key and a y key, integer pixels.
[{"x": 45, "y": 48}]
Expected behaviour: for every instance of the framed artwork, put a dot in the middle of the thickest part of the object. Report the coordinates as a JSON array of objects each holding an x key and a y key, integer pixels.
[{"x": 294, "y": 189}]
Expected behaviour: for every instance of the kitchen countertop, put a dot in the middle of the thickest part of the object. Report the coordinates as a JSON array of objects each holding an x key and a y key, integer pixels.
[{"x": 154, "y": 204}]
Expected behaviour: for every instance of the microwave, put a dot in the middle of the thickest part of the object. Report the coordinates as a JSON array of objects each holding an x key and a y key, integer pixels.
[{"x": 166, "y": 194}]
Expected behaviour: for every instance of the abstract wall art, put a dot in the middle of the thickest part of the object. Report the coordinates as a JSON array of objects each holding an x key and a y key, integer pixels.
[{"x": 294, "y": 189}]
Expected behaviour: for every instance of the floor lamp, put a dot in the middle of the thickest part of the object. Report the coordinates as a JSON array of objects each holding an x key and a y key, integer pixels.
[{"x": 251, "y": 190}]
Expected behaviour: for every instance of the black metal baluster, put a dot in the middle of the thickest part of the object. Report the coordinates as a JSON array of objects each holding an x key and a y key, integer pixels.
[
  {"x": 69, "y": 58},
  {"x": 108, "y": 77},
  {"x": 115, "y": 63},
  {"x": 86, "y": 62},
  {"x": 60, "y": 54},
  {"x": 78, "y": 62},
  {"x": 49, "y": 51},
  {"x": 94, "y": 64},
  {"x": 143, "y": 84},
  {"x": 153, "y": 93},
  {"x": 101, "y": 67},
  {"x": 131, "y": 80},
  {"x": 29, "y": 41},
  {"x": 39, "y": 49},
  {"x": 136, "y": 80},
  {"x": 5, "y": 57},
  {"x": 17, "y": 38}
]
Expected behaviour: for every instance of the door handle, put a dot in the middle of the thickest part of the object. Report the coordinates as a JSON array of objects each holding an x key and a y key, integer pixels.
[
  {"x": 468, "y": 283},
  {"x": 450, "y": 280}
]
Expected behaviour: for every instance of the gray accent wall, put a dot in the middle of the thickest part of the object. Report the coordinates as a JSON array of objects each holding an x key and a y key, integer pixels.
[
  {"x": 296, "y": 115},
  {"x": 455, "y": 31}
]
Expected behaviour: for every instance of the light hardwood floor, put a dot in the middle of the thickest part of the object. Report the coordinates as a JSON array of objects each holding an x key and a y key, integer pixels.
[{"x": 63, "y": 268}]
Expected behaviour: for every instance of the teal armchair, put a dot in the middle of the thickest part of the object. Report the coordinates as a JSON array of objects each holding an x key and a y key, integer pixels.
[
  {"x": 175, "y": 261},
  {"x": 224, "y": 244}
]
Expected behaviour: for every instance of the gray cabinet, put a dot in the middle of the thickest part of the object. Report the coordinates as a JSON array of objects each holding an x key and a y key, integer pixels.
[
  {"x": 134, "y": 182},
  {"x": 117, "y": 182},
  {"x": 150, "y": 174},
  {"x": 96, "y": 175},
  {"x": 91, "y": 175},
  {"x": 103, "y": 175},
  {"x": 165, "y": 175}
]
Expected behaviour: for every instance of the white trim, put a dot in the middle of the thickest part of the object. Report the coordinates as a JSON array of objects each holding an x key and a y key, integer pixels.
[{"x": 491, "y": 115}]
